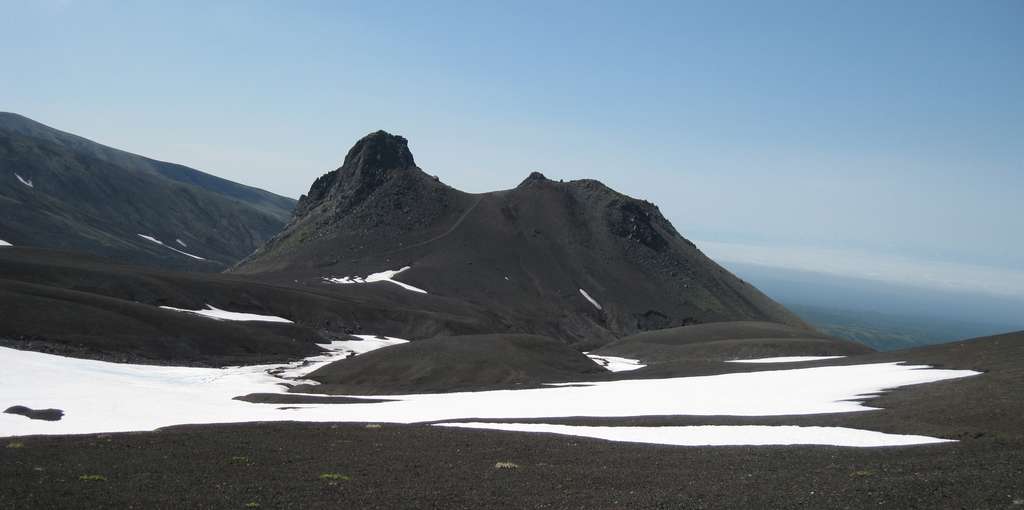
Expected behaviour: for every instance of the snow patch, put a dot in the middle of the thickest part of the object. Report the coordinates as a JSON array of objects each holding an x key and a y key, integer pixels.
[
  {"x": 182, "y": 243},
  {"x": 224, "y": 315},
  {"x": 592, "y": 301},
  {"x": 157, "y": 241},
  {"x": 338, "y": 349},
  {"x": 26, "y": 182},
  {"x": 5, "y": 243},
  {"x": 616, "y": 364},
  {"x": 718, "y": 435},
  {"x": 383, "y": 276},
  {"x": 109, "y": 397},
  {"x": 784, "y": 359}
]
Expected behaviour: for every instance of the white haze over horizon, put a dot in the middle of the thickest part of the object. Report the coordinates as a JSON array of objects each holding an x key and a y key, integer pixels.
[{"x": 946, "y": 276}]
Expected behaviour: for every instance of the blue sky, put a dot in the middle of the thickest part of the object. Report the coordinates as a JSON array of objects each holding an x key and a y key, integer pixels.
[{"x": 884, "y": 130}]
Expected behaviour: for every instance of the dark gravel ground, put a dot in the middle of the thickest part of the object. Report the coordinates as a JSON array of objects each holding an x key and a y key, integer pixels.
[{"x": 283, "y": 465}]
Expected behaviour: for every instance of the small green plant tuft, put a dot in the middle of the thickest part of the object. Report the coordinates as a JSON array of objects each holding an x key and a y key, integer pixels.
[
  {"x": 92, "y": 478},
  {"x": 506, "y": 465},
  {"x": 373, "y": 425},
  {"x": 334, "y": 477},
  {"x": 238, "y": 459},
  {"x": 862, "y": 472},
  {"x": 252, "y": 504},
  {"x": 16, "y": 444}
]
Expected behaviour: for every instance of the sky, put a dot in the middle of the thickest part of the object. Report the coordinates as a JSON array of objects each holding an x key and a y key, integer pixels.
[{"x": 873, "y": 131}]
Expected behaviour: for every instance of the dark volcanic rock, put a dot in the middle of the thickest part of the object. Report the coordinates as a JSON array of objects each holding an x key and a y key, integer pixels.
[
  {"x": 36, "y": 414},
  {"x": 454, "y": 363},
  {"x": 534, "y": 177},
  {"x": 369, "y": 164},
  {"x": 378, "y": 197},
  {"x": 528, "y": 254}
]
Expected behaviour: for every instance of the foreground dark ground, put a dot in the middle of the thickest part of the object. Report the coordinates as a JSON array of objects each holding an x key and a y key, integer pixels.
[{"x": 282, "y": 466}]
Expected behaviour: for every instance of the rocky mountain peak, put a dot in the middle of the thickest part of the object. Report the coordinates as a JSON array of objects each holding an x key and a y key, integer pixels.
[
  {"x": 380, "y": 150},
  {"x": 373, "y": 160},
  {"x": 585, "y": 261},
  {"x": 533, "y": 178}
]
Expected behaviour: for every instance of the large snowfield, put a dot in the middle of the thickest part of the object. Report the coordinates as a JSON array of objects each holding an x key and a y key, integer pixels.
[{"x": 99, "y": 396}]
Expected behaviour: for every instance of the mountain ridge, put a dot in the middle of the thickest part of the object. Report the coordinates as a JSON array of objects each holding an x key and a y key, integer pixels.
[
  {"x": 10, "y": 121},
  {"x": 62, "y": 191},
  {"x": 534, "y": 250}
]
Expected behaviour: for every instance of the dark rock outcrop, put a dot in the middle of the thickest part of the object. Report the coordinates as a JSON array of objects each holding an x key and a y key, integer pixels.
[{"x": 36, "y": 414}]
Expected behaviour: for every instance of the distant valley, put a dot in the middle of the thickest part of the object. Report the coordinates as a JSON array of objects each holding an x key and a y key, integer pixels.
[{"x": 888, "y": 331}]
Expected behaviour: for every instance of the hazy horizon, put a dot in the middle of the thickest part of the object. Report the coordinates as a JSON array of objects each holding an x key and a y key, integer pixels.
[{"x": 872, "y": 140}]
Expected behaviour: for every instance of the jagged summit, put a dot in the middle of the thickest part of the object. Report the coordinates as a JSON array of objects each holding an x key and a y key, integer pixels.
[
  {"x": 373, "y": 160},
  {"x": 572, "y": 260},
  {"x": 534, "y": 177},
  {"x": 380, "y": 150}
]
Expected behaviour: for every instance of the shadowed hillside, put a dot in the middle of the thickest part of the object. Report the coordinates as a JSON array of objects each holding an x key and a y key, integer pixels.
[{"x": 61, "y": 191}]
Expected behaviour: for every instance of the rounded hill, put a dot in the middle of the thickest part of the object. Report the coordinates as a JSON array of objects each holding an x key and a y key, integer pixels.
[
  {"x": 727, "y": 341},
  {"x": 455, "y": 363}
]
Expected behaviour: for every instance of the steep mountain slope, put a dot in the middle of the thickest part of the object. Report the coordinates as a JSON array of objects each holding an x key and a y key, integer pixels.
[
  {"x": 576, "y": 261},
  {"x": 58, "y": 190}
]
